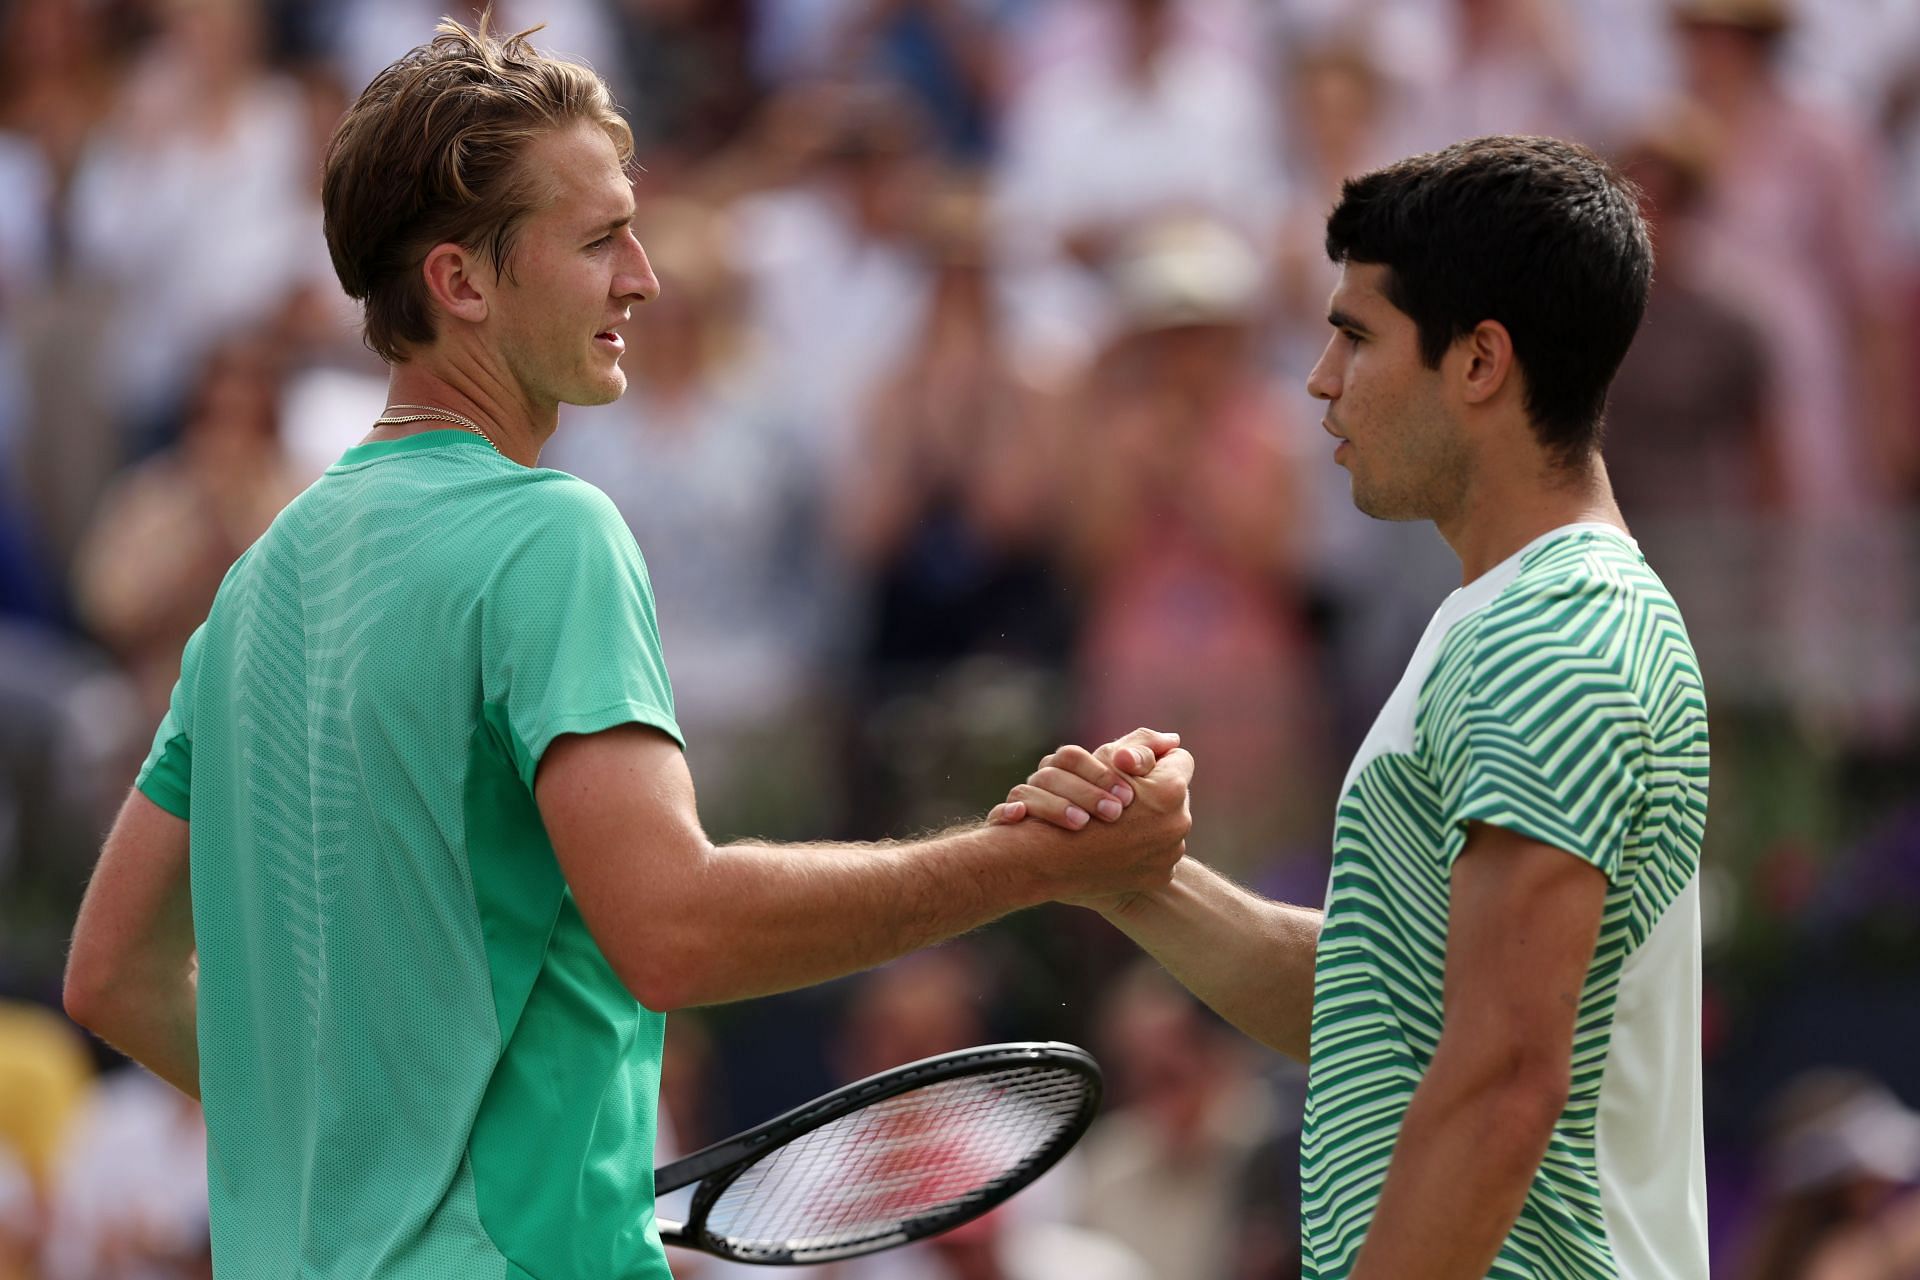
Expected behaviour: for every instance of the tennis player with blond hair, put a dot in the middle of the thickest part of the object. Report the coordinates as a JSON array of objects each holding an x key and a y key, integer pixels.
[{"x": 414, "y": 864}]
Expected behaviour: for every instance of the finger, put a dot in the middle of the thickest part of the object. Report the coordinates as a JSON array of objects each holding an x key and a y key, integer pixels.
[
  {"x": 1075, "y": 789},
  {"x": 1136, "y": 752},
  {"x": 1100, "y": 773},
  {"x": 1049, "y": 807},
  {"x": 1006, "y": 813},
  {"x": 1136, "y": 761},
  {"x": 1158, "y": 741},
  {"x": 1176, "y": 767}
]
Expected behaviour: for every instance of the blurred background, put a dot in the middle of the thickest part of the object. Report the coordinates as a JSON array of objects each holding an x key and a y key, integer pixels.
[{"x": 972, "y": 420}]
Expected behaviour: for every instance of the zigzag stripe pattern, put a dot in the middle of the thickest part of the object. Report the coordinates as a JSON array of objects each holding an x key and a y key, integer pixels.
[{"x": 1569, "y": 709}]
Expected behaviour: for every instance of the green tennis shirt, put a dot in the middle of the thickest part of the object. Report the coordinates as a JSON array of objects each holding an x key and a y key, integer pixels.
[
  {"x": 1556, "y": 696},
  {"x": 415, "y": 1061}
]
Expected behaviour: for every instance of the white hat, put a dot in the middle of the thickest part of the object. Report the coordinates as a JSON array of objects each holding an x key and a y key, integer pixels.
[
  {"x": 1832, "y": 1124},
  {"x": 1185, "y": 270}
]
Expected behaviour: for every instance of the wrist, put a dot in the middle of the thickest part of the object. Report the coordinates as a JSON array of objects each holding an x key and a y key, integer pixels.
[{"x": 1012, "y": 863}]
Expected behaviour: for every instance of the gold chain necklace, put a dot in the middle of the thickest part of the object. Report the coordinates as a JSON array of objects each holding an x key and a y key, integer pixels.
[{"x": 427, "y": 413}]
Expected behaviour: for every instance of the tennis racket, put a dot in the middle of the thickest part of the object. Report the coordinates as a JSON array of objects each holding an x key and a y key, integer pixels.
[{"x": 894, "y": 1158}]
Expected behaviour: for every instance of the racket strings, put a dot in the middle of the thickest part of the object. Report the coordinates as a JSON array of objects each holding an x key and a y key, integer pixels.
[{"x": 928, "y": 1154}]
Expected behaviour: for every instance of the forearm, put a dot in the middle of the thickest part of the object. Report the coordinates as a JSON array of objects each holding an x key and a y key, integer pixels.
[
  {"x": 153, "y": 1021},
  {"x": 131, "y": 975},
  {"x": 1462, "y": 1164},
  {"x": 766, "y": 918},
  {"x": 1249, "y": 959}
]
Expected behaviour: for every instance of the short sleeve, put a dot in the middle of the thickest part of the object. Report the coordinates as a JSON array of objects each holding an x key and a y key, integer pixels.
[
  {"x": 167, "y": 776},
  {"x": 1550, "y": 737},
  {"x": 569, "y": 642}
]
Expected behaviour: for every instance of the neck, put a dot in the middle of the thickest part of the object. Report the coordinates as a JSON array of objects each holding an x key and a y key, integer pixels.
[
  {"x": 1500, "y": 514},
  {"x": 517, "y": 427}
]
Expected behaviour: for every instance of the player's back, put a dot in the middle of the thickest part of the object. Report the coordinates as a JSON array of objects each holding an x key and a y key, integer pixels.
[{"x": 414, "y": 1060}]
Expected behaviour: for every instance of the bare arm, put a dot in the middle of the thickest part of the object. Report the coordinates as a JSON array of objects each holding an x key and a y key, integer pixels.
[
  {"x": 684, "y": 922},
  {"x": 131, "y": 976},
  {"x": 1250, "y": 959},
  {"x": 1520, "y": 935}
]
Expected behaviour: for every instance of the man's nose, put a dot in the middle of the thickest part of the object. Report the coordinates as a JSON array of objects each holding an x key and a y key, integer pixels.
[
  {"x": 638, "y": 281},
  {"x": 1324, "y": 383}
]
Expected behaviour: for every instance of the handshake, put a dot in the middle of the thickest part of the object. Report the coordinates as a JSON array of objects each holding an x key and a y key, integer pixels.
[{"x": 1125, "y": 804}]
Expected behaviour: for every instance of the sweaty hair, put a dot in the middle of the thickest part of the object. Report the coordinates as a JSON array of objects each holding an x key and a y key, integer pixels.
[
  {"x": 1541, "y": 235},
  {"x": 430, "y": 154}
]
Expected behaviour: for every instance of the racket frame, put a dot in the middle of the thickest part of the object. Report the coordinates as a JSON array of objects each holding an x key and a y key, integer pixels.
[{"x": 719, "y": 1166}]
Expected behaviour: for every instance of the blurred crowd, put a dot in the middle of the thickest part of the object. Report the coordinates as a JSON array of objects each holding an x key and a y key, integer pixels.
[{"x": 970, "y": 420}]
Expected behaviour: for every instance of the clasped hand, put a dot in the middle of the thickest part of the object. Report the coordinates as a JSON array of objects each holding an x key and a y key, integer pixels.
[{"x": 1075, "y": 788}]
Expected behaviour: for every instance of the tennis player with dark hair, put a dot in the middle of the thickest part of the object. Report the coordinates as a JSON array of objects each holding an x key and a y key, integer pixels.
[
  {"x": 1500, "y": 1004},
  {"x": 414, "y": 862}
]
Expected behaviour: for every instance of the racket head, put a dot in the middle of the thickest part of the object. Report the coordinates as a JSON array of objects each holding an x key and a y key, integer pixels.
[{"x": 897, "y": 1157}]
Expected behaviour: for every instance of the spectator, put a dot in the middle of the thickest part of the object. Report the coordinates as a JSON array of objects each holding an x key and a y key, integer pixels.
[
  {"x": 1690, "y": 444},
  {"x": 130, "y": 1198},
  {"x": 693, "y": 85},
  {"x": 45, "y": 1074},
  {"x": 165, "y": 536},
  {"x": 946, "y": 53},
  {"x": 1337, "y": 104},
  {"x": 1185, "y": 531},
  {"x": 56, "y": 83},
  {"x": 1164, "y": 1168},
  {"x": 835, "y": 274},
  {"x": 191, "y": 203},
  {"x": 1842, "y": 1154},
  {"x": 1374, "y": 583},
  {"x": 1798, "y": 193},
  {"x": 56, "y": 86},
  {"x": 1686, "y": 426},
  {"x": 1500, "y": 66},
  {"x": 1157, "y": 124},
  {"x": 1797, "y": 197},
  {"x": 946, "y": 511}
]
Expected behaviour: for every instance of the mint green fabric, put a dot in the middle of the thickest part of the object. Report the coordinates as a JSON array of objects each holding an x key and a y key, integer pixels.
[{"x": 415, "y": 1061}]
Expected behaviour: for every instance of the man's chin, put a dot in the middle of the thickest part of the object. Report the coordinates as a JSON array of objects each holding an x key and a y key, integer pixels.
[
  {"x": 603, "y": 390},
  {"x": 1381, "y": 506}
]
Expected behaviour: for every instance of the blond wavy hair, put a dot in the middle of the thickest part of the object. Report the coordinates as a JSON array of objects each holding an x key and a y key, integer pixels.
[{"x": 430, "y": 153}]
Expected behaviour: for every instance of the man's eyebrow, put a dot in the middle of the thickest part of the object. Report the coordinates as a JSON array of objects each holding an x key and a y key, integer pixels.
[
  {"x": 623, "y": 220},
  {"x": 1341, "y": 320}
]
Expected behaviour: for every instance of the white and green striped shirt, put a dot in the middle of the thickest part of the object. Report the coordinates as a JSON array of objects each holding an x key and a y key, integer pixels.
[{"x": 1557, "y": 696}]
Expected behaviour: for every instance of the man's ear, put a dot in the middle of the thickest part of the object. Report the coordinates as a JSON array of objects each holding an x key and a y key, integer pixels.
[
  {"x": 1485, "y": 362},
  {"x": 457, "y": 282}
]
